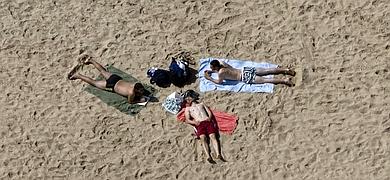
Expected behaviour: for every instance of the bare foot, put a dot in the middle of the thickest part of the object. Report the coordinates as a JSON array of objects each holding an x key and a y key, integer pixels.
[
  {"x": 289, "y": 82},
  {"x": 72, "y": 74},
  {"x": 221, "y": 158},
  {"x": 211, "y": 161},
  {"x": 88, "y": 61},
  {"x": 290, "y": 72},
  {"x": 85, "y": 59}
]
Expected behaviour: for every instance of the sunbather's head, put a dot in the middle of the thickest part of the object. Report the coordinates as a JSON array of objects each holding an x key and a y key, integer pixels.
[
  {"x": 191, "y": 96},
  {"x": 139, "y": 89},
  {"x": 215, "y": 65}
]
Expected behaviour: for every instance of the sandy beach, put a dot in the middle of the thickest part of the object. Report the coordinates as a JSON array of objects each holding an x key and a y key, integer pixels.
[{"x": 334, "y": 124}]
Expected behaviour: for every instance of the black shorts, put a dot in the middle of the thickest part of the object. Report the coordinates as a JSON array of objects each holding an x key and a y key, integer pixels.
[{"x": 112, "y": 80}]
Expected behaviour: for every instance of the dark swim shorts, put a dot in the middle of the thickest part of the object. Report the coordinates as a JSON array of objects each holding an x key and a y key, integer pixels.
[{"x": 112, "y": 80}]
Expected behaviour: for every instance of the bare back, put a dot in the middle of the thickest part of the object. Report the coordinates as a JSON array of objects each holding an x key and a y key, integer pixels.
[
  {"x": 124, "y": 88},
  {"x": 198, "y": 112},
  {"x": 228, "y": 72}
]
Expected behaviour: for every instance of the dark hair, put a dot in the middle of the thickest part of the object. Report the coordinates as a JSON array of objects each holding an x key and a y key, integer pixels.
[
  {"x": 191, "y": 93},
  {"x": 215, "y": 63},
  {"x": 138, "y": 86}
]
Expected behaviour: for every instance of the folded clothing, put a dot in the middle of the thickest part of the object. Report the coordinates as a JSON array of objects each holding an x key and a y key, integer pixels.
[{"x": 173, "y": 103}]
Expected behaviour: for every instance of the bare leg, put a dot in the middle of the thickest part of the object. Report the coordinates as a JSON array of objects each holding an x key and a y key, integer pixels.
[
  {"x": 285, "y": 81},
  {"x": 98, "y": 84},
  {"x": 269, "y": 71},
  {"x": 99, "y": 67},
  {"x": 206, "y": 148},
  {"x": 216, "y": 146}
]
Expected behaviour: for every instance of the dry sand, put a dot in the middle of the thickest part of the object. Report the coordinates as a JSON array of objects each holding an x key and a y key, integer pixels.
[{"x": 333, "y": 125}]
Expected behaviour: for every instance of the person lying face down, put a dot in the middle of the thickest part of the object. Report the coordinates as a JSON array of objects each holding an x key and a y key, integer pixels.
[
  {"x": 248, "y": 75},
  {"x": 133, "y": 91},
  {"x": 200, "y": 116}
]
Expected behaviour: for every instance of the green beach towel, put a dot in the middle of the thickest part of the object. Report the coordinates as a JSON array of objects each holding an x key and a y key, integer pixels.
[{"x": 118, "y": 101}]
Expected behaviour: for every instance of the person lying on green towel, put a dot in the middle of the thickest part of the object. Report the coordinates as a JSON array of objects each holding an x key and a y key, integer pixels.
[{"x": 113, "y": 82}]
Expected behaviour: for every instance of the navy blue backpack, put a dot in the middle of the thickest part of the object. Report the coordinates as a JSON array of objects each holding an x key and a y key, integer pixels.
[
  {"x": 179, "y": 72},
  {"x": 160, "y": 77}
]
